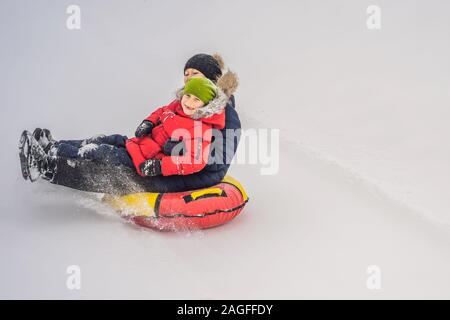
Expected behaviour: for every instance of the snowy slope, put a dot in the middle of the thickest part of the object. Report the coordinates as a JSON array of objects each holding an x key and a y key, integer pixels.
[{"x": 363, "y": 152}]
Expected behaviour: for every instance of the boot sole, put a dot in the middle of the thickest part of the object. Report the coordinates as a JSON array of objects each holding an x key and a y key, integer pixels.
[{"x": 24, "y": 154}]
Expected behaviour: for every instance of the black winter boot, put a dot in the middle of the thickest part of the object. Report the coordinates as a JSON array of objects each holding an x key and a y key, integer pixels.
[
  {"x": 34, "y": 161},
  {"x": 44, "y": 138}
]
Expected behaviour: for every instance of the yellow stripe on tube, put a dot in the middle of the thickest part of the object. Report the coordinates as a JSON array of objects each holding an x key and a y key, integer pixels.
[
  {"x": 236, "y": 183},
  {"x": 197, "y": 194},
  {"x": 139, "y": 204}
]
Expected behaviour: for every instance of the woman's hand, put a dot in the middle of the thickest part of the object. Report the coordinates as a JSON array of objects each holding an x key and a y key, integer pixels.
[{"x": 170, "y": 145}]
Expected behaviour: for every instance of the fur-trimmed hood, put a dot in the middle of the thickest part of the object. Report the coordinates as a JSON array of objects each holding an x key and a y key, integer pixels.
[{"x": 226, "y": 86}]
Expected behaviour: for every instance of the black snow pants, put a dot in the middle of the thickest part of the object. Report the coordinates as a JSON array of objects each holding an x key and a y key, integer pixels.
[{"x": 102, "y": 164}]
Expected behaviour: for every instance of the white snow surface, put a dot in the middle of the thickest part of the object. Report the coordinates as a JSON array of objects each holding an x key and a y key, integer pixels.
[
  {"x": 86, "y": 149},
  {"x": 364, "y": 157}
]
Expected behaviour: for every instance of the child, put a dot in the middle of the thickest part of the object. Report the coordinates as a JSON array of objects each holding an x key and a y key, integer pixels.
[{"x": 198, "y": 109}]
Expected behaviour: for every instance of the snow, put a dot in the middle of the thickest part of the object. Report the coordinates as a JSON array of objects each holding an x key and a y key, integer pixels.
[
  {"x": 71, "y": 163},
  {"x": 363, "y": 163},
  {"x": 87, "y": 148}
]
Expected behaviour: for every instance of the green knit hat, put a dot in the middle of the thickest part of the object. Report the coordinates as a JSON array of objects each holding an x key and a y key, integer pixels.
[{"x": 202, "y": 88}]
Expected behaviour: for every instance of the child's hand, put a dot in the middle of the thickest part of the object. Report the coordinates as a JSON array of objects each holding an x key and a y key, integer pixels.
[
  {"x": 150, "y": 168},
  {"x": 144, "y": 129}
]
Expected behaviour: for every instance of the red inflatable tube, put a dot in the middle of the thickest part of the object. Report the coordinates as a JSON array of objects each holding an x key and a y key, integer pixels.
[{"x": 197, "y": 209}]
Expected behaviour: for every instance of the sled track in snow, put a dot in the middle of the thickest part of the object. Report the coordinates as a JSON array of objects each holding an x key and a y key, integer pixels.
[{"x": 367, "y": 182}]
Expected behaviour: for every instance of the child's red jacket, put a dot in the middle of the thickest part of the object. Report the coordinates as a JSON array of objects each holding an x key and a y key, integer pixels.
[{"x": 172, "y": 123}]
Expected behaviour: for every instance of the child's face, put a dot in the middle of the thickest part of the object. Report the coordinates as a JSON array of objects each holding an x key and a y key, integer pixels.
[
  {"x": 190, "y": 103},
  {"x": 192, "y": 73}
]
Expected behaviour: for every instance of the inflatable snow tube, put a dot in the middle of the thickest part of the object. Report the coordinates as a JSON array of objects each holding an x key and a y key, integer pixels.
[{"x": 197, "y": 209}]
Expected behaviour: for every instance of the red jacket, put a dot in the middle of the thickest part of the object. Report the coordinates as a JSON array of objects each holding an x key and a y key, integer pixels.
[{"x": 171, "y": 122}]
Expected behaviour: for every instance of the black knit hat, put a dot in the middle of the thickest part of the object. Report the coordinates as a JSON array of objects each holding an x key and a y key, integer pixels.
[{"x": 206, "y": 64}]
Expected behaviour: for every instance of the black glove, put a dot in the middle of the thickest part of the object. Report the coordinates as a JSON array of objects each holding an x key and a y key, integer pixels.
[
  {"x": 170, "y": 144},
  {"x": 151, "y": 167},
  {"x": 144, "y": 129}
]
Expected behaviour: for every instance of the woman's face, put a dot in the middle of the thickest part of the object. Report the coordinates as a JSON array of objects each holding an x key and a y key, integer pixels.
[{"x": 192, "y": 73}]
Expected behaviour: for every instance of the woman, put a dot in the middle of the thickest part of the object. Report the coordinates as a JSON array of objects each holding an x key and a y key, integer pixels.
[{"x": 101, "y": 164}]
